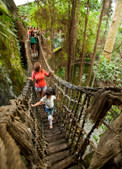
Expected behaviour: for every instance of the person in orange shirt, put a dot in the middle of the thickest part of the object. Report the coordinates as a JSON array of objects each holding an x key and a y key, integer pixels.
[{"x": 38, "y": 75}]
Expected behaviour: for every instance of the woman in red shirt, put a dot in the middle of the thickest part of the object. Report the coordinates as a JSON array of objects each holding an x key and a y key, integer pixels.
[{"x": 38, "y": 75}]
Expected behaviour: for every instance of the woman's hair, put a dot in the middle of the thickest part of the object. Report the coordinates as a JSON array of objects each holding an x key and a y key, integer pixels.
[
  {"x": 50, "y": 91},
  {"x": 37, "y": 66},
  {"x": 32, "y": 33}
]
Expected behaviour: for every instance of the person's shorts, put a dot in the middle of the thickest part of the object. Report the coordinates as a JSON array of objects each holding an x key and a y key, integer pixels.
[
  {"x": 40, "y": 89},
  {"x": 49, "y": 111},
  {"x": 33, "y": 43}
]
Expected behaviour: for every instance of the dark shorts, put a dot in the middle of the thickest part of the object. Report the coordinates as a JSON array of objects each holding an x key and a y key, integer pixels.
[{"x": 49, "y": 111}]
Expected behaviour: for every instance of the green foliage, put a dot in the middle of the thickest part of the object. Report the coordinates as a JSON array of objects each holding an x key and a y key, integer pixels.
[
  {"x": 103, "y": 127},
  {"x": 57, "y": 13},
  {"x": 95, "y": 5},
  {"x": 6, "y": 30},
  {"x": 95, "y": 138},
  {"x": 3, "y": 8},
  {"x": 9, "y": 52},
  {"x": 113, "y": 113},
  {"x": 91, "y": 33},
  {"x": 40, "y": 15},
  {"x": 61, "y": 72},
  {"x": 109, "y": 71},
  {"x": 27, "y": 14}
]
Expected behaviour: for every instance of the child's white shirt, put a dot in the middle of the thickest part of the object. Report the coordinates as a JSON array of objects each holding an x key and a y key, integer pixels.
[{"x": 49, "y": 102}]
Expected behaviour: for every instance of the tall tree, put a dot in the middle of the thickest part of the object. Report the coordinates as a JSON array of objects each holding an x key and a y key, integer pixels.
[
  {"x": 117, "y": 18},
  {"x": 72, "y": 35},
  {"x": 83, "y": 45},
  {"x": 108, "y": 9},
  {"x": 52, "y": 20},
  {"x": 96, "y": 43},
  {"x": 106, "y": 20},
  {"x": 107, "y": 13}
]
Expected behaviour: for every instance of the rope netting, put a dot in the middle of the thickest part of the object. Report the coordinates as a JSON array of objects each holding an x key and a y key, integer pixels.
[
  {"x": 21, "y": 139},
  {"x": 80, "y": 112}
]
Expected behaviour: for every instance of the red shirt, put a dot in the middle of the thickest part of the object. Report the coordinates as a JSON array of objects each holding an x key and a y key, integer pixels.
[{"x": 40, "y": 78}]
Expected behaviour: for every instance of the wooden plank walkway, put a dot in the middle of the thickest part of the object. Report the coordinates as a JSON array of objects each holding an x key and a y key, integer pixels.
[{"x": 58, "y": 154}]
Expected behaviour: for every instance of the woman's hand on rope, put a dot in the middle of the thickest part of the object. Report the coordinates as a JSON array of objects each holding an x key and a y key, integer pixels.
[
  {"x": 51, "y": 73},
  {"x": 30, "y": 78}
]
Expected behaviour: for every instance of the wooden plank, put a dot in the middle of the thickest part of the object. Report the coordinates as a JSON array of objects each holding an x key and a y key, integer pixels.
[
  {"x": 58, "y": 156},
  {"x": 54, "y": 138},
  {"x": 75, "y": 167},
  {"x": 51, "y": 134},
  {"x": 64, "y": 163},
  {"x": 54, "y": 149},
  {"x": 57, "y": 142},
  {"x": 53, "y": 130}
]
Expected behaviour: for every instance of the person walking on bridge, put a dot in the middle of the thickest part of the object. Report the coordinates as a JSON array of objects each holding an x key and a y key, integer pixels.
[
  {"x": 33, "y": 42},
  {"x": 48, "y": 100},
  {"x": 38, "y": 75}
]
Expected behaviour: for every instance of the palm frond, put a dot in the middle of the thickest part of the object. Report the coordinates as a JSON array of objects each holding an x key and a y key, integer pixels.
[
  {"x": 5, "y": 29},
  {"x": 10, "y": 5},
  {"x": 3, "y": 8},
  {"x": 4, "y": 35}
]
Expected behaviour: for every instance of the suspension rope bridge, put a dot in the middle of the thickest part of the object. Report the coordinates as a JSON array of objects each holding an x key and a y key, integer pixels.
[{"x": 26, "y": 141}]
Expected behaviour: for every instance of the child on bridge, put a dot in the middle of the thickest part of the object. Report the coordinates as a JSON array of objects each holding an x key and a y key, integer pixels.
[{"x": 48, "y": 100}]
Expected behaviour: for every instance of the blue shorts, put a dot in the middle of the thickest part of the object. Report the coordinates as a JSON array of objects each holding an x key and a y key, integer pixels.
[
  {"x": 49, "y": 111},
  {"x": 40, "y": 89}
]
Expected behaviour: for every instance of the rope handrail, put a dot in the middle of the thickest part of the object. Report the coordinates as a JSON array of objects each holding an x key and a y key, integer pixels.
[
  {"x": 20, "y": 136},
  {"x": 80, "y": 110},
  {"x": 75, "y": 109},
  {"x": 74, "y": 87}
]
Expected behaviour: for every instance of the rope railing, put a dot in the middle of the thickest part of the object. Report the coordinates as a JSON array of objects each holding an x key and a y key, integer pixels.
[
  {"x": 21, "y": 138},
  {"x": 74, "y": 109},
  {"x": 79, "y": 111}
]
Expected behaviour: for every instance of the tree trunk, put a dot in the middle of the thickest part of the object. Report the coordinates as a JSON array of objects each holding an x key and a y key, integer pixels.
[
  {"x": 83, "y": 46},
  {"x": 108, "y": 8},
  {"x": 72, "y": 36},
  {"x": 117, "y": 18},
  {"x": 107, "y": 13},
  {"x": 96, "y": 42},
  {"x": 52, "y": 21}
]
